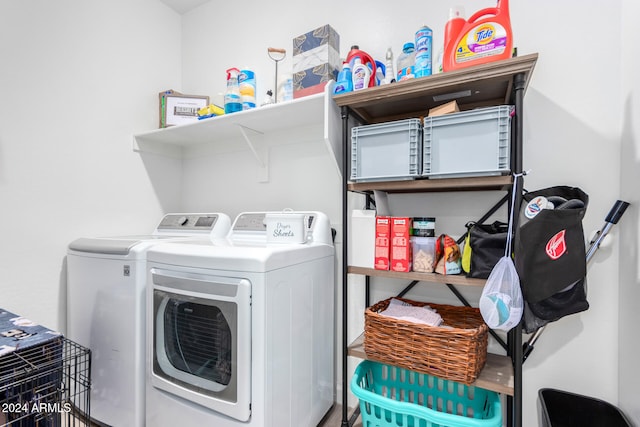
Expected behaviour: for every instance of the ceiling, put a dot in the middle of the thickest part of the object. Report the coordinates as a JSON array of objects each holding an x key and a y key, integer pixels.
[{"x": 183, "y": 6}]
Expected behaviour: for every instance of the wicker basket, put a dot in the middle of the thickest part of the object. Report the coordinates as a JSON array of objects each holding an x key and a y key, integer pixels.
[{"x": 456, "y": 351}]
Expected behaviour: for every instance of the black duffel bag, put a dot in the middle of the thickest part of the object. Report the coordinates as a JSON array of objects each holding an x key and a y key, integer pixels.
[{"x": 485, "y": 245}]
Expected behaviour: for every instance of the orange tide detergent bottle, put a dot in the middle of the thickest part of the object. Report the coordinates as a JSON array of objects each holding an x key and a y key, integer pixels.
[{"x": 485, "y": 37}]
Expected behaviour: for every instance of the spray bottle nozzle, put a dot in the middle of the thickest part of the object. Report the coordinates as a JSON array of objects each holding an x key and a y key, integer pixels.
[{"x": 232, "y": 72}]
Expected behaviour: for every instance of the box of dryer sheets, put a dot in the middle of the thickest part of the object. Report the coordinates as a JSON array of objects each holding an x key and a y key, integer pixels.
[
  {"x": 383, "y": 240},
  {"x": 316, "y": 60},
  {"x": 400, "y": 252}
]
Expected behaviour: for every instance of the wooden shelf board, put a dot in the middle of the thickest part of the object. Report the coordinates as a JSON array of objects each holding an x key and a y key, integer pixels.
[
  {"x": 482, "y": 85},
  {"x": 452, "y": 279},
  {"x": 497, "y": 374},
  {"x": 480, "y": 183}
]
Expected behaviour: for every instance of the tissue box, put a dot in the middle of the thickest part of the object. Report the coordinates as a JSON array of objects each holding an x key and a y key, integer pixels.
[{"x": 316, "y": 60}]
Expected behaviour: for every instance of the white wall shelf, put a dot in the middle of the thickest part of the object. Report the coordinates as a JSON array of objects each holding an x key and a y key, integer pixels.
[{"x": 317, "y": 112}]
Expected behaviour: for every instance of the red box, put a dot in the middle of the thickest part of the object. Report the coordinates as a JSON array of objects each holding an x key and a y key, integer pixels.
[
  {"x": 383, "y": 236},
  {"x": 400, "y": 252}
]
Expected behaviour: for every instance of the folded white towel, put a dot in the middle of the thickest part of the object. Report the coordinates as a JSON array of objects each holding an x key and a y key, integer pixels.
[{"x": 424, "y": 315}]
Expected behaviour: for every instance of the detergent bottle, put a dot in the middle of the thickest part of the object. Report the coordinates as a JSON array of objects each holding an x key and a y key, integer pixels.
[
  {"x": 366, "y": 59},
  {"x": 455, "y": 24},
  {"x": 361, "y": 75},
  {"x": 344, "y": 83},
  {"x": 485, "y": 37}
]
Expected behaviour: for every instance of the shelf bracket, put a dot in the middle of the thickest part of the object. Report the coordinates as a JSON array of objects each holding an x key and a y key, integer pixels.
[{"x": 255, "y": 141}]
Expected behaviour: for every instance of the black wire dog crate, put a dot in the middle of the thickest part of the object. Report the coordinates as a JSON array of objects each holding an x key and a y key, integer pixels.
[{"x": 47, "y": 385}]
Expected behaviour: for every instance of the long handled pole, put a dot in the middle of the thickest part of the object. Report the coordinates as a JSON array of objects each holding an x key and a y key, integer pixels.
[{"x": 277, "y": 54}]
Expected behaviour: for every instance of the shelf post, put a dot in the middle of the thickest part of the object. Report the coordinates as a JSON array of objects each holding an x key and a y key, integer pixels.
[
  {"x": 345, "y": 242},
  {"x": 514, "y": 404}
]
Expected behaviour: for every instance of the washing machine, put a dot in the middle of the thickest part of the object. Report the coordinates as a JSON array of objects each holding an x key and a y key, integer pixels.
[
  {"x": 106, "y": 279},
  {"x": 240, "y": 330}
]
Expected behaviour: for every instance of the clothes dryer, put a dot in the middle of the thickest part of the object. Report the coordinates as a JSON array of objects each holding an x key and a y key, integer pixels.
[
  {"x": 240, "y": 330},
  {"x": 106, "y": 279}
]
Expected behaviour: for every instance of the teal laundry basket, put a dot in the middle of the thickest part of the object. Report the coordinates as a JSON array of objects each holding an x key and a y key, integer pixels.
[{"x": 391, "y": 396}]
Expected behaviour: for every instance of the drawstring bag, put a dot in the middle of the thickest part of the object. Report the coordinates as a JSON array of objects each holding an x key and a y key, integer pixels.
[{"x": 501, "y": 303}]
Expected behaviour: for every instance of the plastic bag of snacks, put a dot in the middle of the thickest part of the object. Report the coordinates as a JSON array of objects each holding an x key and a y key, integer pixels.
[{"x": 449, "y": 260}]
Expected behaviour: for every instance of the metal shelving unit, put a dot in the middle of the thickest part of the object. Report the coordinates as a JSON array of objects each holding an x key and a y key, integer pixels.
[{"x": 500, "y": 82}]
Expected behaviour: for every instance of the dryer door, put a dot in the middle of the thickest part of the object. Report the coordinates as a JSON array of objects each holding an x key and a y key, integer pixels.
[{"x": 202, "y": 340}]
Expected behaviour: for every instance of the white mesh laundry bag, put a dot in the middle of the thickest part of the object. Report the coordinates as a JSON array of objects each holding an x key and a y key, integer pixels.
[{"x": 501, "y": 303}]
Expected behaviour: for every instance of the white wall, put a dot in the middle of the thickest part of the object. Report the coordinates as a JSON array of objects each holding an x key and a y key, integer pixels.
[
  {"x": 83, "y": 76},
  {"x": 629, "y": 315},
  {"x": 78, "y": 79}
]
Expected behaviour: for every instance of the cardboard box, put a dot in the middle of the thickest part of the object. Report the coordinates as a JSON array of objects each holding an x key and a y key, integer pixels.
[
  {"x": 400, "y": 252},
  {"x": 383, "y": 240},
  {"x": 316, "y": 60},
  {"x": 440, "y": 110}
]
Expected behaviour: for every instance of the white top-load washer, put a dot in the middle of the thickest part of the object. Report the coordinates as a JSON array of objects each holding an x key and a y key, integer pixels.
[
  {"x": 106, "y": 279},
  {"x": 240, "y": 330}
]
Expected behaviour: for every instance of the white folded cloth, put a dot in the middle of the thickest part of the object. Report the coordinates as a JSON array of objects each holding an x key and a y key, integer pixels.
[{"x": 424, "y": 315}]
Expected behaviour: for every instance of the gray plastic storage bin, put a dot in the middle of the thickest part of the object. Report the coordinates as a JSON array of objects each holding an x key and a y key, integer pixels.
[
  {"x": 386, "y": 151},
  {"x": 469, "y": 143},
  {"x": 563, "y": 409}
]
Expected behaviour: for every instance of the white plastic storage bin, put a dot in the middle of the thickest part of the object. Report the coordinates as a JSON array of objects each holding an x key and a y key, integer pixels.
[
  {"x": 386, "y": 151},
  {"x": 469, "y": 143},
  {"x": 362, "y": 238}
]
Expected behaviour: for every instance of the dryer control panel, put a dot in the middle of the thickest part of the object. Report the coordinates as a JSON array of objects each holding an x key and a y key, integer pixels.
[
  {"x": 214, "y": 224},
  {"x": 250, "y": 222}
]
